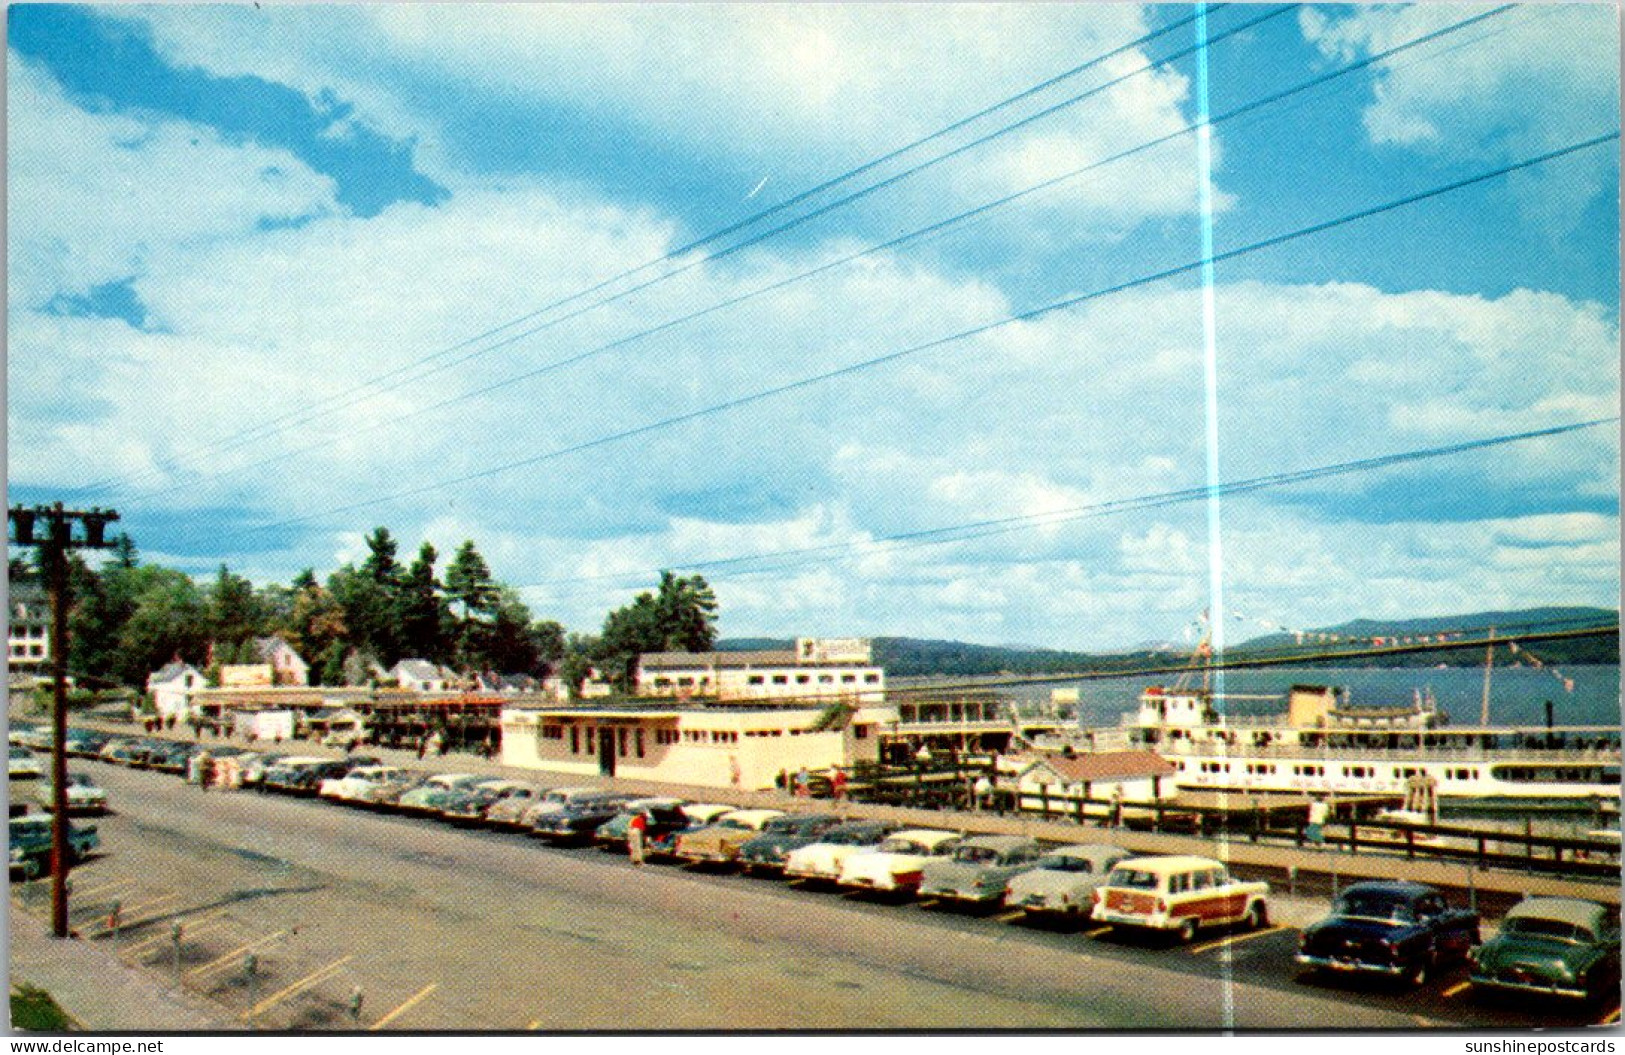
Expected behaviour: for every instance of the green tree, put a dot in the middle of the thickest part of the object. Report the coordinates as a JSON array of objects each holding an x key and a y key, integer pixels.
[
  {"x": 171, "y": 619},
  {"x": 234, "y": 611},
  {"x": 469, "y": 582},
  {"x": 425, "y": 619},
  {"x": 686, "y": 609},
  {"x": 380, "y": 565},
  {"x": 315, "y": 623},
  {"x": 332, "y": 665},
  {"x": 370, "y": 613}
]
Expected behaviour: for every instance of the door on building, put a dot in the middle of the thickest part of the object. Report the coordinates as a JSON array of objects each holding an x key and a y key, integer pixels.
[{"x": 606, "y": 752}]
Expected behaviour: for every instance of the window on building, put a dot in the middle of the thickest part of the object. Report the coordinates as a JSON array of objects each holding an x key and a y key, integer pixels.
[
  {"x": 685, "y": 682},
  {"x": 592, "y": 736},
  {"x": 849, "y": 679},
  {"x": 802, "y": 679},
  {"x": 860, "y": 732},
  {"x": 575, "y": 740},
  {"x": 781, "y": 679},
  {"x": 871, "y": 679},
  {"x": 826, "y": 679},
  {"x": 640, "y": 743},
  {"x": 621, "y": 740},
  {"x": 755, "y": 679}
]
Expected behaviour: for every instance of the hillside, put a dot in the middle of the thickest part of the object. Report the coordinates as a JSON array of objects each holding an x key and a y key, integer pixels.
[{"x": 911, "y": 657}]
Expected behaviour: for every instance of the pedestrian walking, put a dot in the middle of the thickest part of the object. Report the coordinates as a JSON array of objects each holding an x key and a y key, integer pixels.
[
  {"x": 203, "y": 769},
  {"x": 837, "y": 784},
  {"x": 635, "y": 832},
  {"x": 423, "y": 746},
  {"x": 803, "y": 783}
]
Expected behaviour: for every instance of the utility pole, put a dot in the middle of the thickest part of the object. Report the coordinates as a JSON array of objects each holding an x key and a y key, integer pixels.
[{"x": 53, "y": 549}]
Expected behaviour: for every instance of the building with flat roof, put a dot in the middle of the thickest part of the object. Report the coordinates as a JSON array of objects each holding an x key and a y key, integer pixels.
[{"x": 817, "y": 669}]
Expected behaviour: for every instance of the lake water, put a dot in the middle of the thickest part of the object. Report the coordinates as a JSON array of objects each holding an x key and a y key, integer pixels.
[{"x": 1517, "y": 694}]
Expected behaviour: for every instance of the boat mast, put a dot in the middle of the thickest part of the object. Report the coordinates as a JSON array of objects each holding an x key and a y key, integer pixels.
[{"x": 1484, "y": 707}]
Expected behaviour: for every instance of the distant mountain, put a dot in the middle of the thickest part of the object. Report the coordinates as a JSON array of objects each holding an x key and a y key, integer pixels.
[{"x": 905, "y": 657}]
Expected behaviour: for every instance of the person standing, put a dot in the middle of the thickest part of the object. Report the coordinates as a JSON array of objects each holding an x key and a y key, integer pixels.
[
  {"x": 837, "y": 784},
  {"x": 1315, "y": 830},
  {"x": 803, "y": 783},
  {"x": 635, "y": 831}
]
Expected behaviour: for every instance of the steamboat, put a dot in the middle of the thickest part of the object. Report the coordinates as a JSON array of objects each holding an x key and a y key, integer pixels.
[{"x": 1323, "y": 744}]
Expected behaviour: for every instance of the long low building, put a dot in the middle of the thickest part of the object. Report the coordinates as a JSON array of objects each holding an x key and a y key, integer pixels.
[
  {"x": 706, "y": 745},
  {"x": 816, "y": 669}
]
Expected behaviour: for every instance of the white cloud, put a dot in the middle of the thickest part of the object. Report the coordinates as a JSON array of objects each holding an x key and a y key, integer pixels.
[
  {"x": 1474, "y": 101},
  {"x": 97, "y": 197}
]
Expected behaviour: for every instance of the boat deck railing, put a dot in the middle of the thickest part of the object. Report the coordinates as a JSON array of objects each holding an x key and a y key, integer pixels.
[{"x": 1556, "y": 756}]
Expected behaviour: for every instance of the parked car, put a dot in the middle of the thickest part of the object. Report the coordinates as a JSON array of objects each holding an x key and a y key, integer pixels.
[
  {"x": 173, "y": 758},
  {"x": 39, "y": 737},
  {"x": 429, "y": 796},
  {"x": 385, "y": 794},
  {"x": 30, "y": 843},
  {"x": 17, "y": 734},
  {"x": 349, "y": 787},
  {"x": 469, "y": 805},
  {"x": 978, "y": 869},
  {"x": 781, "y": 835},
  {"x": 1063, "y": 881},
  {"x": 1179, "y": 894},
  {"x": 256, "y": 766},
  {"x": 285, "y": 774},
  {"x": 23, "y": 764},
  {"x": 507, "y": 812},
  {"x": 663, "y": 845},
  {"x": 551, "y": 802},
  {"x": 660, "y": 815},
  {"x": 85, "y": 743},
  {"x": 122, "y": 750},
  {"x": 822, "y": 859},
  {"x": 898, "y": 863},
  {"x": 578, "y": 821},
  {"x": 719, "y": 842},
  {"x": 1559, "y": 947},
  {"x": 84, "y": 796},
  {"x": 1401, "y": 930}
]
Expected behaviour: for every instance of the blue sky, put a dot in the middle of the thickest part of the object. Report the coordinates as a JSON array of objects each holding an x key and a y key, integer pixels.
[{"x": 220, "y": 217}]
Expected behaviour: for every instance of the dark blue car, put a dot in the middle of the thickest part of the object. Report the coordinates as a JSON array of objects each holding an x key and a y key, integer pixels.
[{"x": 1398, "y": 930}]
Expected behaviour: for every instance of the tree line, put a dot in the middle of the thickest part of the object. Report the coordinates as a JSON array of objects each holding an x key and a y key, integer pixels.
[{"x": 130, "y": 618}]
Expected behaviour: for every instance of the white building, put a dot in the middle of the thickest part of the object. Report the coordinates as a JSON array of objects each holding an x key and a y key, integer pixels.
[
  {"x": 815, "y": 670},
  {"x": 28, "y": 632},
  {"x": 419, "y": 675},
  {"x": 744, "y": 747},
  {"x": 1060, "y": 780},
  {"x": 287, "y": 666},
  {"x": 172, "y": 688}
]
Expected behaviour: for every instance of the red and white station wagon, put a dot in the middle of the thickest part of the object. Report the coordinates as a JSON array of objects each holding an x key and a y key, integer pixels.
[{"x": 1181, "y": 894}]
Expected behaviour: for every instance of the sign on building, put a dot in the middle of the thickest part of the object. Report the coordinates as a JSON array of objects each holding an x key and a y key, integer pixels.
[
  {"x": 246, "y": 675},
  {"x": 834, "y": 650}
]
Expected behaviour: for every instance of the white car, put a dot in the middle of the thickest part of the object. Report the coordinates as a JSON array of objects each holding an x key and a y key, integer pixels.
[
  {"x": 24, "y": 764},
  {"x": 354, "y": 786},
  {"x": 897, "y": 862},
  {"x": 1064, "y": 881},
  {"x": 825, "y": 859},
  {"x": 84, "y": 796}
]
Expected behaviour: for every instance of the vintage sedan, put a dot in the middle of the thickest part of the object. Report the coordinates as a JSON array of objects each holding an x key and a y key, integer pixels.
[
  {"x": 719, "y": 843},
  {"x": 551, "y": 802},
  {"x": 24, "y": 765},
  {"x": 821, "y": 861},
  {"x": 429, "y": 796},
  {"x": 507, "y": 812},
  {"x": 1552, "y": 947},
  {"x": 663, "y": 845},
  {"x": 353, "y": 785},
  {"x": 898, "y": 863},
  {"x": 472, "y": 805},
  {"x": 767, "y": 852},
  {"x": 660, "y": 815},
  {"x": 84, "y": 795},
  {"x": 1064, "y": 880},
  {"x": 1179, "y": 894},
  {"x": 978, "y": 869},
  {"x": 85, "y": 743},
  {"x": 1394, "y": 929},
  {"x": 577, "y": 822},
  {"x": 30, "y": 844}
]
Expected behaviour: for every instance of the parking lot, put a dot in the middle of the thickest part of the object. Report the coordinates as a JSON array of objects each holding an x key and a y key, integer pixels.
[{"x": 446, "y": 928}]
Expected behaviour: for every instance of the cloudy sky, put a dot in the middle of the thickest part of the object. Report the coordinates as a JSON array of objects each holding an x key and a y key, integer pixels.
[{"x": 280, "y": 274}]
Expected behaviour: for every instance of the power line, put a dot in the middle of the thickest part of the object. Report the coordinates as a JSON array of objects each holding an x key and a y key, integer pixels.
[
  {"x": 893, "y": 243},
  {"x": 792, "y": 558},
  {"x": 282, "y": 422},
  {"x": 895, "y": 356}
]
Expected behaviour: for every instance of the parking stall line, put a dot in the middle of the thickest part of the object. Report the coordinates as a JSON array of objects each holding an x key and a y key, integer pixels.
[
  {"x": 1235, "y": 939},
  {"x": 190, "y": 929},
  {"x": 239, "y": 950},
  {"x": 104, "y": 888},
  {"x": 412, "y": 1001},
  {"x": 1007, "y": 917},
  {"x": 128, "y": 917},
  {"x": 534, "y": 1025},
  {"x": 321, "y": 974},
  {"x": 1610, "y": 1018},
  {"x": 1456, "y": 989},
  {"x": 1097, "y": 932}
]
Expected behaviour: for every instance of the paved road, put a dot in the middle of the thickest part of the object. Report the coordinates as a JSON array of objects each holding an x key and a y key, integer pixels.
[{"x": 443, "y": 928}]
